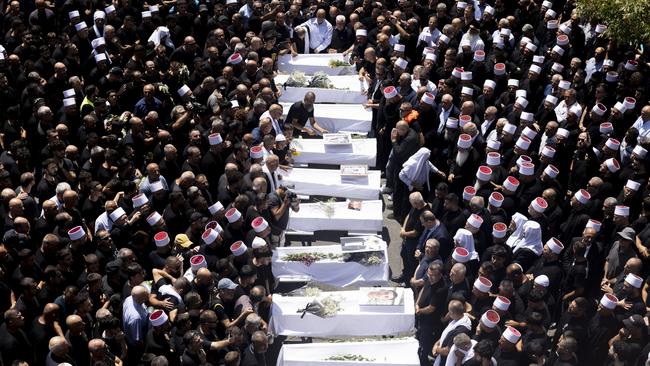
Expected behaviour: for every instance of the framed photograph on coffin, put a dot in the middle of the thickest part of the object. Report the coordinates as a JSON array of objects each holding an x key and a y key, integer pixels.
[{"x": 381, "y": 299}]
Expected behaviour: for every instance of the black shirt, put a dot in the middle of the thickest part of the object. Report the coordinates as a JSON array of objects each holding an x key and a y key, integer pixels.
[{"x": 298, "y": 112}]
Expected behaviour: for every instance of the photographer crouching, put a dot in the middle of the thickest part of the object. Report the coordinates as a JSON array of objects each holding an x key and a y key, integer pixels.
[{"x": 279, "y": 203}]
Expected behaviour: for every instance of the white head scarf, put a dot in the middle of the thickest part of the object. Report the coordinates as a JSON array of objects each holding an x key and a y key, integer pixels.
[
  {"x": 465, "y": 239},
  {"x": 531, "y": 239},
  {"x": 161, "y": 35},
  {"x": 417, "y": 168},
  {"x": 519, "y": 221}
]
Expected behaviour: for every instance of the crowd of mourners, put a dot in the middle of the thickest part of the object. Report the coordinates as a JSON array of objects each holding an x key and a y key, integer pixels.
[{"x": 141, "y": 204}]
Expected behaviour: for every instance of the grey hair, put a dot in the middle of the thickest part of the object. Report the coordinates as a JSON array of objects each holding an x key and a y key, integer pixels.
[{"x": 62, "y": 187}]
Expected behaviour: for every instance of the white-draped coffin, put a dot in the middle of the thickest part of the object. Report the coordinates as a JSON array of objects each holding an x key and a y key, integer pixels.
[
  {"x": 347, "y": 90},
  {"x": 339, "y": 117},
  {"x": 333, "y": 272},
  {"x": 328, "y": 182},
  {"x": 349, "y": 321},
  {"x": 312, "y": 63},
  {"x": 315, "y": 151},
  {"x": 402, "y": 352},
  {"x": 312, "y": 217}
]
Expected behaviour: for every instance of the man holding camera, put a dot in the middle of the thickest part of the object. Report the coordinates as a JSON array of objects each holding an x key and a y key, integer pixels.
[{"x": 279, "y": 203}]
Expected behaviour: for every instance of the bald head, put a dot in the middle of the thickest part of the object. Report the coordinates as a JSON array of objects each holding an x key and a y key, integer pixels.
[{"x": 140, "y": 294}]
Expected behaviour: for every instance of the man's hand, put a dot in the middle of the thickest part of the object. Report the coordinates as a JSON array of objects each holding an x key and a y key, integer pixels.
[
  {"x": 417, "y": 253},
  {"x": 168, "y": 305},
  {"x": 309, "y": 131},
  {"x": 450, "y": 178},
  {"x": 393, "y": 135}
]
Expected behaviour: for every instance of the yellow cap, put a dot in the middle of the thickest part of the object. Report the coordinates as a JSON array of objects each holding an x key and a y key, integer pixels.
[{"x": 183, "y": 241}]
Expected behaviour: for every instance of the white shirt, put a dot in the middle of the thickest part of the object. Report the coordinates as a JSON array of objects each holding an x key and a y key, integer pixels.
[
  {"x": 485, "y": 126},
  {"x": 444, "y": 114},
  {"x": 103, "y": 222},
  {"x": 320, "y": 35},
  {"x": 246, "y": 11},
  {"x": 432, "y": 35},
  {"x": 643, "y": 127},
  {"x": 276, "y": 124}
]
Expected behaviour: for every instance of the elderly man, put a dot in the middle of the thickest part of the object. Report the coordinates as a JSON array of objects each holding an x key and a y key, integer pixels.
[
  {"x": 405, "y": 143},
  {"x": 410, "y": 232},
  {"x": 135, "y": 321},
  {"x": 59, "y": 350},
  {"x": 319, "y": 31}
]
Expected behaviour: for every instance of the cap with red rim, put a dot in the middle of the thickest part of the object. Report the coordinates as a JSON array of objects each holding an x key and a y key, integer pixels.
[
  {"x": 484, "y": 173},
  {"x": 209, "y": 236},
  {"x": 629, "y": 103},
  {"x": 463, "y": 119},
  {"x": 609, "y": 301},
  {"x": 594, "y": 224},
  {"x": 512, "y": 335},
  {"x": 256, "y": 152},
  {"x": 501, "y": 303},
  {"x": 468, "y": 193},
  {"x": 475, "y": 221},
  {"x": 539, "y": 204},
  {"x": 234, "y": 59},
  {"x": 490, "y": 318},
  {"x": 582, "y": 196},
  {"x": 631, "y": 65},
  {"x": 511, "y": 184},
  {"x": 496, "y": 199},
  {"x": 483, "y": 284},
  {"x": 548, "y": 151},
  {"x": 233, "y": 215},
  {"x": 161, "y": 239},
  {"x": 562, "y": 40},
  {"x": 551, "y": 171},
  {"x": 527, "y": 168},
  {"x": 612, "y": 165},
  {"x": 457, "y": 72},
  {"x": 158, "y": 318},
  {"x": 493, "y": 158},
  {"x": 428, "y": 98},
  {"x": 215, "y": 139},
  {"x": 390, "y": 92},
  {"x": 479, "y": 55},
  {"x": 214, "y": 226},
  {"x": 139, "y": 200},
  {"x": 464, "y": 141},
  {"x": 259, "y": 224},
  {"x": 500, "y": 69},
  {"x": 238, "y": 248},
  {"x": 599, "y": 109},
  {"x": 555, "y": 245},
  {"x": 499, "y": 230},
  {"x": 76, "y": 233},
  {"x": 605, "y": 128},
  {"x": 612, "y": 144},
  {"x": 460, "y": 255},
  {"x": 523, "y": 142},
  {"x": 197, "y": 262}
]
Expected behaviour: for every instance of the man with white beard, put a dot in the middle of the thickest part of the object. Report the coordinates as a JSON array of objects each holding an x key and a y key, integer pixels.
[
  {"x": 302, "y": 111},
  {"x": 465, "y": 160}
]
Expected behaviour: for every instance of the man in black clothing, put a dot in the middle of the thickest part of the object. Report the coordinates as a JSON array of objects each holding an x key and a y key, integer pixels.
[
  {"x": 14, "y": 343},
  {"x": 255, "y": 354},
  {"x": 429, "y": 310},
  {"x": 302, "y": 112},
  {"x": 507, "y": 354},
  {"x": 405, "y": 143}
]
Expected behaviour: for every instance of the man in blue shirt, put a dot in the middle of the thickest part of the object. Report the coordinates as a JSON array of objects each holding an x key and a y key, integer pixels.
[{"x": 148, "y": 103}]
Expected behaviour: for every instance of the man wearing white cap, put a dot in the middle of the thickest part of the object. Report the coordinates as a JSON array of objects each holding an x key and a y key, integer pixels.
[
  {"x": 602, "y": 327},
  {"x": 507, "y": 354},
  {"x": 465, "y": 162}
]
